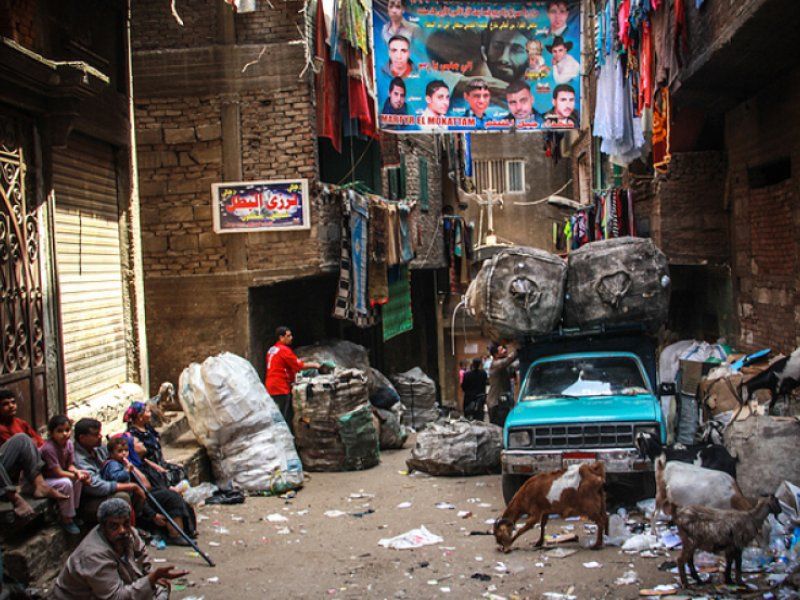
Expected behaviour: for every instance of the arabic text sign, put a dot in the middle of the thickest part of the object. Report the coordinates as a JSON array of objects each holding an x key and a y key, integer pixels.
[
  {"x": 276, "y": 205},
  {"x": 477, "y": 66}
]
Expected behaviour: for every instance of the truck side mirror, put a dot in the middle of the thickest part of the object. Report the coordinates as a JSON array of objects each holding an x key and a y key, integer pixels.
[{"x": 666, "y": 389}]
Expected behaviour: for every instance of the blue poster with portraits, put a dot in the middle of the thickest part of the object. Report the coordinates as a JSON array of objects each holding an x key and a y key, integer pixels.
[{"x": 477, "y": 66}]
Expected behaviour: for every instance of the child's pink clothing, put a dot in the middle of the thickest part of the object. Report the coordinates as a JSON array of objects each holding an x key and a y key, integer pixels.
[
  {"x": 61, "y": 457},
  {"x": 70, "y": 488}
]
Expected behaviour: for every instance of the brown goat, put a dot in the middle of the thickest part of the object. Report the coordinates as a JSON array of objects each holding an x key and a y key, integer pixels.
[
  {"x": 576, "y": 491},
  {"x": 716, "y": 530}
]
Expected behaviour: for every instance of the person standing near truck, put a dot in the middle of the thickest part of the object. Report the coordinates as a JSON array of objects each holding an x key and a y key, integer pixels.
[
  {"x": 474, "y": 387},
  {"x": 282, "y": 366},
  {"x": 500, "y": 400}
]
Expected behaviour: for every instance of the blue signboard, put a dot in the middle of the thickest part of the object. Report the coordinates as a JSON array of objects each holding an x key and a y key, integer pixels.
[{"x": 477, "y": 66}]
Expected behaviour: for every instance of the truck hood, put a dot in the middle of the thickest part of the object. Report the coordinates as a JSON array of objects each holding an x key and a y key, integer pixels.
[{"x": 591, "y": 409}]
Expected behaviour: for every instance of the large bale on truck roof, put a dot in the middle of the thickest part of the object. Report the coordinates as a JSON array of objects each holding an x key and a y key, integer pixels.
[
  {"x": 622, "y": 280},
  {"x": 518, "y": 292}
]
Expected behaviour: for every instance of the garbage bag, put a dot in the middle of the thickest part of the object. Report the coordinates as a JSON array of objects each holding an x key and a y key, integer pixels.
[
  {"x": 767, "y": 451},
  {"x": 393, "y": 434},
  {"x": 617, "y": 281},
  {"x": 518, "y": 292},
  {"x": 244, "y": 433},
  {"x": 418, "y": 395},
  {"x": 360, "y": 439},
  {"x": 458, "y": 447},
  {"x": 319, "y": 402},
  {"x": 347, "y": 355}
]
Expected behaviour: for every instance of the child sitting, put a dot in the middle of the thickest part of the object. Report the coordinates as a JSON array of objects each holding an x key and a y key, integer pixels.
[
  {"x": 58, "y": 453},
  {"x": 118, "y": 468}
]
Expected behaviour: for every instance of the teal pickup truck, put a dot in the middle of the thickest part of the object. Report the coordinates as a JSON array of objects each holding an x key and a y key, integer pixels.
[{"x": 584, "y": 396}]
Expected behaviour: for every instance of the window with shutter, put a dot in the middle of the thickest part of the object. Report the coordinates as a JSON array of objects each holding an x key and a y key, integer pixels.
[
  {"x": 393, "y": 183},
  {"x": 401, "y": 178}
]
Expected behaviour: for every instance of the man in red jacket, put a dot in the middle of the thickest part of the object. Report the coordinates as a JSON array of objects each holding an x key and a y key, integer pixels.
[{"x": 282, "y": 366}]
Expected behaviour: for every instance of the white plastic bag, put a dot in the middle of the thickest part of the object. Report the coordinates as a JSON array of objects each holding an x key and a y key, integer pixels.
[
  {"x": 416, "y": 538},
  {"x": 240, "y": 426},
  {"x": 639, "y": 542}
]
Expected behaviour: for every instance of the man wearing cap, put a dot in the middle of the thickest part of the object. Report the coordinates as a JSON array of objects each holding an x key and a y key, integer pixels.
[
  {"x": 112, "y": 562},
  {"x": 565, "y": 67}
]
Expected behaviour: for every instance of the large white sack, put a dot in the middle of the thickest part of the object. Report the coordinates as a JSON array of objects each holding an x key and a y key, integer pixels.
[{"x": 233, "y": 417}]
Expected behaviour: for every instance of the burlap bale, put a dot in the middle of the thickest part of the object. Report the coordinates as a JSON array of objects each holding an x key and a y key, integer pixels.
[
  {"x": 458, "y": 447},
  {"x": 767, "y": 451},
  {"x": 617, "y": 281},
  {"x": 319, "y": 403},
  {"x": 518, "y": 292}
]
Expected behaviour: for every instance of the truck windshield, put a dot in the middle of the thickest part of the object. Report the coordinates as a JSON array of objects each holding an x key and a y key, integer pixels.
[{"x": 582, "y": 377}]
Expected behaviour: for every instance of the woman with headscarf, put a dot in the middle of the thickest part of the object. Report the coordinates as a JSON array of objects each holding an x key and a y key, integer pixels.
[
  {"x": 171, "y": 501},
  {"x": 138, "y": 418}
]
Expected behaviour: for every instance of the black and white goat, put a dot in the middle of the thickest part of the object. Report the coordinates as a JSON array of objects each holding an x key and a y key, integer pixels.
[
  {"x": 780, "y": 379},
  {"x": 709, "y": 456}
]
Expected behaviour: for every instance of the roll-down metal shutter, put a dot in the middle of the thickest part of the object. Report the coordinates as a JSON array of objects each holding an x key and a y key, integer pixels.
[{"x": 89, "y": 268}]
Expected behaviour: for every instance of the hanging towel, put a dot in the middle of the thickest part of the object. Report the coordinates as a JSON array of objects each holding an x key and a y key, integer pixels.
[
  {"x": 406, "y": 246},
  {"x": 392, "y": 236},
  {"x": 397, "y": 315}
]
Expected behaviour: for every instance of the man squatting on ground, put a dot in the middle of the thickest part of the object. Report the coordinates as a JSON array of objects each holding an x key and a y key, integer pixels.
[
  {"x": 19, "y": 456},
  {"x": 112, "y": 562}
]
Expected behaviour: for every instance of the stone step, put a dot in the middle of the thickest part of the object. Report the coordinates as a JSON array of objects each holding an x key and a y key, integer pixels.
[
  {"x": 33, "y": 553},
  {"x": 186, "y": 451}
]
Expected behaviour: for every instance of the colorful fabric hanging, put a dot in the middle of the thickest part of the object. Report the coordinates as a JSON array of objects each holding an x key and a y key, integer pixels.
[{"x": 397, "y": 315}]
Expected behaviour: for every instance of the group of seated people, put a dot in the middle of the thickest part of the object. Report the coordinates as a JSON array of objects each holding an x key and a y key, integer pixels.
[{"x": 79, "y": 472}]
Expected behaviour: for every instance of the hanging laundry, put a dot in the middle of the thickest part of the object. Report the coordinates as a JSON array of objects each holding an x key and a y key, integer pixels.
[
  {"x": 406, "y": 247},
  {"x": 327, "y": 80},
  {"x": 392, "y": 236},
  {"x": 359, "y": 224},
  {"x": 377, "y": 281},
  {"x": 396, "y": 314}
]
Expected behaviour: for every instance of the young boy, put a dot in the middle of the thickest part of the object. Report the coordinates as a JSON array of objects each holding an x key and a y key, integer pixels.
[
  {"x": 60, "y": 473},
  {"x": 117, "y": 468}
]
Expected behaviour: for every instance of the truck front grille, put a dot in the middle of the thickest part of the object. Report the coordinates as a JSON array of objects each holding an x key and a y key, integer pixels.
[{"x": 605, "y": 435}]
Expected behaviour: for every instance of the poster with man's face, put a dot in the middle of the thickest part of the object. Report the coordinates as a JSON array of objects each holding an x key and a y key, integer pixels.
[{"x": 477, "y": 66}]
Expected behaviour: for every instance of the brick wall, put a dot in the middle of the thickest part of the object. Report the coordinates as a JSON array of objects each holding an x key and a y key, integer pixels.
[
  {"x": 17, "y": 21},
  {"x": 690, "y": 223},
  {"x": 275, "y": 25},
  {"x": 766, "y": 219},
  {"x": 154, "y": 28},
  {"x": 179, "y": 143}
]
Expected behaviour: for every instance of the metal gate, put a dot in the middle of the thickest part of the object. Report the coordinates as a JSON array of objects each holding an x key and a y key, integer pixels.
[{"x": 21, "y": 309}]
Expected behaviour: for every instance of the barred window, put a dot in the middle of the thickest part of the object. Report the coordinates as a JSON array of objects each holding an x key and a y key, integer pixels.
[{"x": 499, "y": 175}]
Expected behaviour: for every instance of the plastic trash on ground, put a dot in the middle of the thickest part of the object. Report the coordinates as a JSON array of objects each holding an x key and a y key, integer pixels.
[
  {"x": 244, "y": 433},
  {"x": 628, "y": 578},
  {"x": 198, "y": 493},
  {"x": 416, "y": 538},
  {"x": 617, "y": 531},
  {"x": 641, "y": 541},
  {"x": 457, "y": 447}
]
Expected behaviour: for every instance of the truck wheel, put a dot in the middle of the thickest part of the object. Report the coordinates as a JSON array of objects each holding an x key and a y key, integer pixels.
[{"x": 511, "y": 483}]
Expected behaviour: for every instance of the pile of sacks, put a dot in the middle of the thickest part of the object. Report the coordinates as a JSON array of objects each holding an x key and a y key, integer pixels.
[
  {"x": 458, "y": 447},
  {"x": 418, "y": 395},
  {"x": 333, "y": 422},
  {"x": 241, "y": 428},
  {"x": 524, "y": 291}
]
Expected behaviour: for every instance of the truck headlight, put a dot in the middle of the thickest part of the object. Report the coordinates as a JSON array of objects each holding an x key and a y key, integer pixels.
[{"x": 520, "y": 438}]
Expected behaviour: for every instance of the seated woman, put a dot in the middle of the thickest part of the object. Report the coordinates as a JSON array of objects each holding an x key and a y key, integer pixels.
[
  {"x": 153, "y": 464},
  {"x": 125, "y": 464}
]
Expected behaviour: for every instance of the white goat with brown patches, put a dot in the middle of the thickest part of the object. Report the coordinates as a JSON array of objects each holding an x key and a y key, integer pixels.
[{"x": 719, "y": 531}]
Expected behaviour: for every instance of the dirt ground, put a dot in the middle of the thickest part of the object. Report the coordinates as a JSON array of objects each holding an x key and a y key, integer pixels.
[{"x": 311, "y": 555}]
